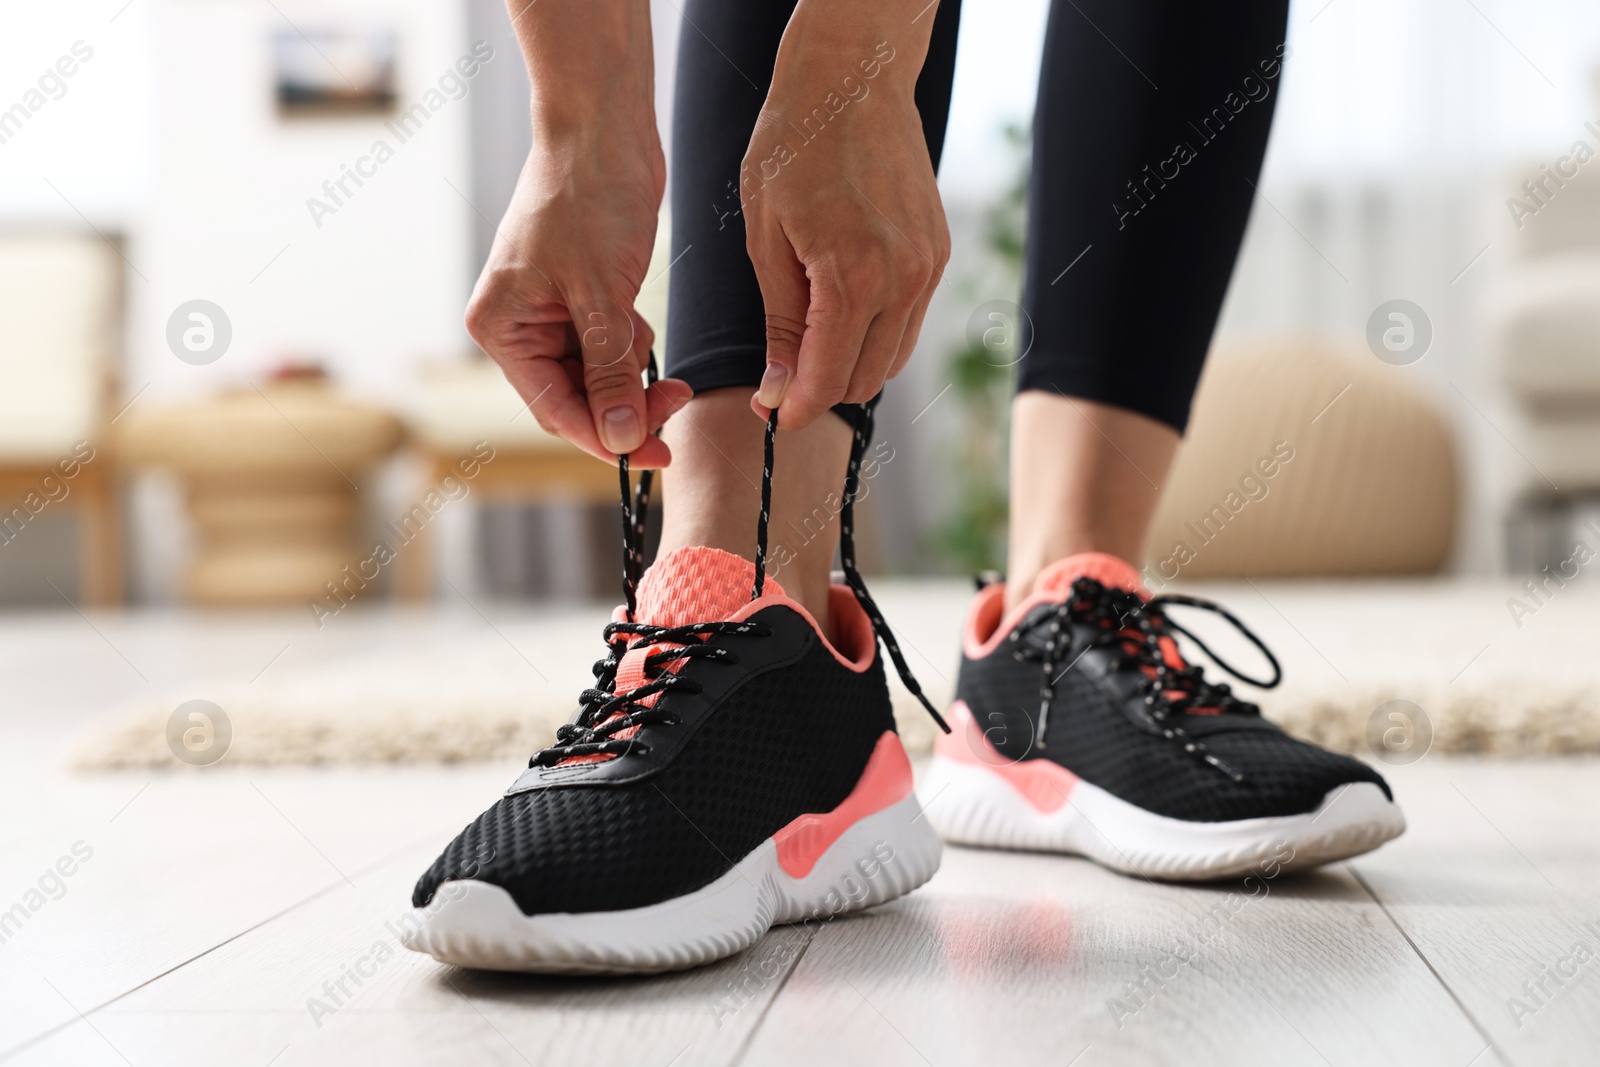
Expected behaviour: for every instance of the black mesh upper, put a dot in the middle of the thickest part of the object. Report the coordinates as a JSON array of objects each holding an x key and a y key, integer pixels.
[
  {"x": 1092, "y": 735},
  {"x": 790, "y": 741}
]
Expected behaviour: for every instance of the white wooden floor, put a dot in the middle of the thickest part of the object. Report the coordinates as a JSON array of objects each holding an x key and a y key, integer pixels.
[{"x": 215, "y": 905}]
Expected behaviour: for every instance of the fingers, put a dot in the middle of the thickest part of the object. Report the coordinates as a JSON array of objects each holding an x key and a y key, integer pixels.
[
  {"x": 665, "y": 398},
  {"x": 878, "y": 352},
  {"x": 909, "y": 281},
  {"x": 785, "y": 292},
  {"x": 836, "y": 327},
  {"x": 835, "y": 334},
  {"x": 607, "y": 337},
  {"x": 557, "y": 404},
  {"x": 551, "y": 390},
  {"x": 908, "y": 339},
  {"x": 644, "y": 340}
]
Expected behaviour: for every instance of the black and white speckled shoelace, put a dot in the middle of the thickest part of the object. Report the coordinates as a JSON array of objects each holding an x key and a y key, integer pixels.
[
  {"x": 633, "y": 524},
  {"x": 1136, "y": 626},
  {"x": 606, "y": 713}
]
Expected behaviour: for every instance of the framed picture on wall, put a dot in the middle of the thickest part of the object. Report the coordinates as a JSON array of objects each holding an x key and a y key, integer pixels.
[{"x": 333, "y": 71}]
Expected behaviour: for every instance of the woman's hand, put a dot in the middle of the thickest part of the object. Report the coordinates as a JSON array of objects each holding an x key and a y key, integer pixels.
[
  {"x": 843, "y": 220},
  {"x": 554, "y": 305}
]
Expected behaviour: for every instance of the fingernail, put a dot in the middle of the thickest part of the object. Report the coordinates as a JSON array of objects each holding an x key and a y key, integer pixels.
[
  {"x": 620, "y": 428},
  {"x": 774, "y": 383}
]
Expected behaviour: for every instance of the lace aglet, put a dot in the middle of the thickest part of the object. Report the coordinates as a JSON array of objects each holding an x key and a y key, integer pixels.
[{"x": 936, "y": 716}]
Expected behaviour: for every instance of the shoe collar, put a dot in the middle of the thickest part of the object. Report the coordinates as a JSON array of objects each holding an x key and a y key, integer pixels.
[
  {"x": 703, "y": 584},
  {"x": 988, "y": 623}
]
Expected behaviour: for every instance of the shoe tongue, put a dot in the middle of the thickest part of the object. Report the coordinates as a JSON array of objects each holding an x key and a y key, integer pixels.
[
  {"x": 698, "y": 584},
  {"x": 1110, "y": 571}
]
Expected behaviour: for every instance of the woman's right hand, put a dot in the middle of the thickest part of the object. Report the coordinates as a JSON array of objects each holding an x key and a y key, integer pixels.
[{"x": 554, "y": 306}]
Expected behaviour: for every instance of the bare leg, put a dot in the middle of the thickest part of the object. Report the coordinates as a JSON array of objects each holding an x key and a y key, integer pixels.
[
  {"x": 1085, "y": 477},
  {"x": 711, "y": 493}
]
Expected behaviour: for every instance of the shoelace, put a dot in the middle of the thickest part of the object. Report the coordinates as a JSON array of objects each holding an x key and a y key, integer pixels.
[
  {"x": 1137, "y": 626},
  {"x": 605, "y": 713}
]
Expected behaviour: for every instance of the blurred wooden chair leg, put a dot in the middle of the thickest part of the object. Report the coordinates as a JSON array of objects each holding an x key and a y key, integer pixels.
[
  {"x": 100, "y": 540},
  {"x": 415, "y": 567}
]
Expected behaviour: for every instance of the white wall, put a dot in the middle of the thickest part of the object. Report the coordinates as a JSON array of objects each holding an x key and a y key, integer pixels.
[
  {"x": 380, "y": 284},
  {"x": 95, "y": 143}
]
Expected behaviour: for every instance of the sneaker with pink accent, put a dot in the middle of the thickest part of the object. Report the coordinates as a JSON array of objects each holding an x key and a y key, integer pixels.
[
  {"x": 1078, "y": 727},
  {"x": 732, "y": 768}
]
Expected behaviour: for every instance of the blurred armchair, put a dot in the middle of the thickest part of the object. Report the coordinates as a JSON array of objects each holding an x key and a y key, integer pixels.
[
  {"x": 1544, "y": 313},
  {"x": 60, "y": 310}
]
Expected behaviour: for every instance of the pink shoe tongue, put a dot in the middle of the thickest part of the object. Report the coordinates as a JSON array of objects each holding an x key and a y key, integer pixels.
[
  {"x": 1110, "y": 571},
  {"x": 699, "y": 584}
]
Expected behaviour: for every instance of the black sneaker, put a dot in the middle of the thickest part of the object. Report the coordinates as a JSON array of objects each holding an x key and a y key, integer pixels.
[
  {"x": 732, "y": 768},
  {"x": 1079, "y": 728}
]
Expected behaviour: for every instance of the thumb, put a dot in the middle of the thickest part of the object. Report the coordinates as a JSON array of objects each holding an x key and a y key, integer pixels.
[
  {"x": 607, "y": 336},
  {"x": 786, "y": 294}
]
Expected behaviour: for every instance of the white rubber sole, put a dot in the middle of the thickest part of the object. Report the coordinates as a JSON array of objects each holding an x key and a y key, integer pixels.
[
  {"x": 880, "y": 857},
  {"x": 970, "y": 804}
]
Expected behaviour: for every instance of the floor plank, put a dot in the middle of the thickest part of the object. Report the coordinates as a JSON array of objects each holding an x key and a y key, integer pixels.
[
  {"x": 1498, "y": 884},
  {"x": 270, "y": 993},
  {"x": 192, "y": 860},
  {"x": 179, "y": 861},
  {"x": 1022, "y": 958}
]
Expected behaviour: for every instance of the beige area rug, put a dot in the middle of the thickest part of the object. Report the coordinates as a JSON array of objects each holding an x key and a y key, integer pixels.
[{"x": 1474, "y": 676}]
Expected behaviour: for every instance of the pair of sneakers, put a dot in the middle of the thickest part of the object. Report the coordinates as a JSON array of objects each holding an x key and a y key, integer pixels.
[{"x": 734, "y": 767}]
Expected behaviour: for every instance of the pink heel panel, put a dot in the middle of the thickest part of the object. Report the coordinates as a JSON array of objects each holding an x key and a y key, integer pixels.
[
  {"x": 886, "y": 781},
  {"x": 1045, "y": 785}
]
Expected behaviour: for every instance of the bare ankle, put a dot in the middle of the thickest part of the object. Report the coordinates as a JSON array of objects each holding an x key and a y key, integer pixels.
[
  {"x": 1085, "y": 477},
  {"x": 711, "y": 492}
]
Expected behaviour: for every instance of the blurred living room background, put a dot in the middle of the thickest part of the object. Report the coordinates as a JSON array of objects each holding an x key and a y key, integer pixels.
[
  {"x": 236, "y": 240},
  {"x": 291, "y": 583}
]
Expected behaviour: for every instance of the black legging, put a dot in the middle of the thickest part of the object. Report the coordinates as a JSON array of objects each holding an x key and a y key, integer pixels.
[{"x": 1150, "y": 127}]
